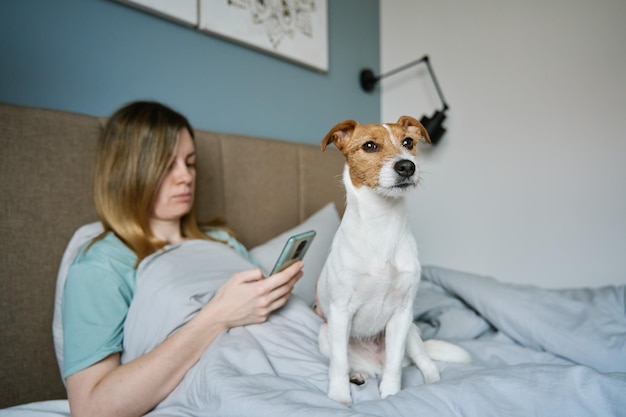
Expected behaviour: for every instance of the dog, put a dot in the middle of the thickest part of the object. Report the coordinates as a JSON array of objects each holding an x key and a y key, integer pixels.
[{"x": 368, "y": 284}]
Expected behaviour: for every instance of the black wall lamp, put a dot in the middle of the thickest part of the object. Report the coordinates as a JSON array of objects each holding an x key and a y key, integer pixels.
[{"x": 434, "y": 123}]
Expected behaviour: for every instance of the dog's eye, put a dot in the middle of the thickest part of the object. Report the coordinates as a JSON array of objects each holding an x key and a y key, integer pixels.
[
  {"x": 370, "y": 147},
  {"x": 408, "y": 143}
]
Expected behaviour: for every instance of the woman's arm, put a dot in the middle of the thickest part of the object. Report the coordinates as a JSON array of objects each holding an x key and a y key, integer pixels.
[{"x": 108, "y": 388}]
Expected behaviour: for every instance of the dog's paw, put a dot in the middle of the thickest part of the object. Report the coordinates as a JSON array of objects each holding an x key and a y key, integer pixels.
[
  {"x": 340, "y": 392},
  {"x": 389, "y": 386},
  {"x": 358, "y": 377},
  {"x": 430, "y": 372}
]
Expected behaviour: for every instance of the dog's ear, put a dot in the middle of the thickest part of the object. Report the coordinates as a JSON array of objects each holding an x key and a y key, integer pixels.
[
  {"x": 412, "y": 125},
  {"x": 339, "y": 133}
]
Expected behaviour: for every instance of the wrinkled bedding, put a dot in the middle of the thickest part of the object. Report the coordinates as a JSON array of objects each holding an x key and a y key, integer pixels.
[{"x": 536, "y": 352}]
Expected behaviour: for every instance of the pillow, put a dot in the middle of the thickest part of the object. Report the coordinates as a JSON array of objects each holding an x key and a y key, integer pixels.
[
  {"x": 325, "y": 222},
  {"x": 83, "y": 235}
]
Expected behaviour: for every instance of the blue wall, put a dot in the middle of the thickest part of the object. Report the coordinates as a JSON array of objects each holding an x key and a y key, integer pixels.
[{"x": 92, "y": 56}]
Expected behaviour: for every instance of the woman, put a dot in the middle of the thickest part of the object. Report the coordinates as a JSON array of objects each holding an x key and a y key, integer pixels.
[{"x": 144, "y": 193}]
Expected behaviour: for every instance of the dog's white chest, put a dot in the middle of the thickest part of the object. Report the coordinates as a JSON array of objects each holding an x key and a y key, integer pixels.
[
  {"x": 371, "y": 275},
  {"x": 378, "y": 298}
]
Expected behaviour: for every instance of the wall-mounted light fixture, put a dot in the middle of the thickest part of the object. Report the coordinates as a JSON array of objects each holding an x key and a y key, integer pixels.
[{"x": 434, "y": 123}]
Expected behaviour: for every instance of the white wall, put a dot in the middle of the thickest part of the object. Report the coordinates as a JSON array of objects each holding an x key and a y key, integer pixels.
[{"x": 529, "y": 183}]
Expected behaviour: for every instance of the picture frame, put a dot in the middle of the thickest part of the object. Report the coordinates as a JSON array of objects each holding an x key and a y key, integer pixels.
[
  {"x": 184, "y": 12},
  {"x": 296, "y": 30}
]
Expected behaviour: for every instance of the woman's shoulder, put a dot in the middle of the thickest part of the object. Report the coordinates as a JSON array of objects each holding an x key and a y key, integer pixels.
[
  {"x": 106, "y": 265},
  {"x": 106, "y": 251}
]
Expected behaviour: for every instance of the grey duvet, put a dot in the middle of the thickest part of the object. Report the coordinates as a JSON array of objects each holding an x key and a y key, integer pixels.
[{"x": 536, "y": 352}]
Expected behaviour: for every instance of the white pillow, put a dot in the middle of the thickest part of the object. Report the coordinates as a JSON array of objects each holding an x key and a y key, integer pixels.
[
  {"x": 81, "y": 236},
  {"x": 325, "y": 222}
]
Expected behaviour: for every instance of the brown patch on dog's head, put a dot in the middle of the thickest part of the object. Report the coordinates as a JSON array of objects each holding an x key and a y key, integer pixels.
[
  {"x": 368, "y": 147},
  {"x": 413, "y": 125},
  {"x": 339, "y": 134}
]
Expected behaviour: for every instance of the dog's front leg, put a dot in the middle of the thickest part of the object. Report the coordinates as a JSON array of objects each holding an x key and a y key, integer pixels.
[
  {"x": 395, "y": 345},
  {"x": 339, "y": 324}
]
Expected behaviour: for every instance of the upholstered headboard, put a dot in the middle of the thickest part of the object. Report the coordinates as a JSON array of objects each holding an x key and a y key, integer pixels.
[
  {"x": 264, "y": 185},
  {"x": 261, "y": 186}
]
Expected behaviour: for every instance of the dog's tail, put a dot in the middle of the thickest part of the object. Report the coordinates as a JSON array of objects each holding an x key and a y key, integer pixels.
[{"x": 443, "y": 351}]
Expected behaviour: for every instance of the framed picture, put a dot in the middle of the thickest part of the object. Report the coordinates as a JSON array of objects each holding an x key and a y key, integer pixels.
[
  {"x": 181, "y": 11},
  {"x": 296, "y": 30}
]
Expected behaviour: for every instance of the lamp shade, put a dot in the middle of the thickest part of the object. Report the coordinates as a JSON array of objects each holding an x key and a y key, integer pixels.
[{"x": 434, "y": 125}]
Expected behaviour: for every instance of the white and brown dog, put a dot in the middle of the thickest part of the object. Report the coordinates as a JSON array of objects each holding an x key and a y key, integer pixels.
[{"x": 369, "y": 282}]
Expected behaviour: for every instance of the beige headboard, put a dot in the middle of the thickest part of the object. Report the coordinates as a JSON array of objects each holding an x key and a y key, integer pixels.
[{"x": 261, "y": 186}]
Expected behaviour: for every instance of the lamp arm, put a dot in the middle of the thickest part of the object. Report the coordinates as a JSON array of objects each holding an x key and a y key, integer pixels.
[
  {"x": 433, "y": 124},
  {"x": 432, "y": 75},
  {"x": 405, "y": 66},
  {"x": 369, "y": 80}
]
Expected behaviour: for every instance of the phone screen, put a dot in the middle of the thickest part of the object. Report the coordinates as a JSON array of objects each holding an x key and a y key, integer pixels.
[{"x": 294, "y": 250}]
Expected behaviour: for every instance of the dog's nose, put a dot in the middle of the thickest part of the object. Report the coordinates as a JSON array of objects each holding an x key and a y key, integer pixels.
[{"x": 405, "y": 168}]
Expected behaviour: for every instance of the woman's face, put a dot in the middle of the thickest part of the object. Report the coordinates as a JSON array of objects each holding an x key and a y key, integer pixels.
[{"x": 176, "y": 192}]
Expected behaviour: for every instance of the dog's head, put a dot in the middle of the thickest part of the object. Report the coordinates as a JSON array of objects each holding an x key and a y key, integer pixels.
[{"x": 380, "y": 156}]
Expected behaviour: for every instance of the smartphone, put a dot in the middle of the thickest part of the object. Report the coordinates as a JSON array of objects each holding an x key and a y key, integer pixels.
[{"x": 294, "y": 250}]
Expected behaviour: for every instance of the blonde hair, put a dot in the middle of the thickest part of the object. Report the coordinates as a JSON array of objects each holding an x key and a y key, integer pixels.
[{"x": 134, "y": 151}]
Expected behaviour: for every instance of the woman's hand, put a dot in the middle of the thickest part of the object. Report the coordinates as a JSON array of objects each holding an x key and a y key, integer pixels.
[{"x": 249, "y": 298}]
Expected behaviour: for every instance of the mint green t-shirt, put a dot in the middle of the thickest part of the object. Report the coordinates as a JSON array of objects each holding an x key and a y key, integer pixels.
[
  {"x": 99, "y": 288},
  {"x": 98, "y": 291}
]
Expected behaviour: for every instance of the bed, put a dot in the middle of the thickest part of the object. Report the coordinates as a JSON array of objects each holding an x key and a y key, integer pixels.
[{"x": 535, "y": 352}]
